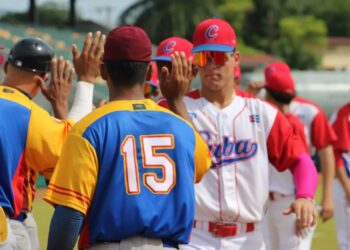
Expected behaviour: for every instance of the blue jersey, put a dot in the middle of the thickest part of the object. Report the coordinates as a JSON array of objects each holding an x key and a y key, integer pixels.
[{"x": 130, "y": 167}]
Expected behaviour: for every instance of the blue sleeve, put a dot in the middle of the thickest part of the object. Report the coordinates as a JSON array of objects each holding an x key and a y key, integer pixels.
[{"x": 64, "y": 228}]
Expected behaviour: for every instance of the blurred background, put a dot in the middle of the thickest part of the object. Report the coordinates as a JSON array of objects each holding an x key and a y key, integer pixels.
[{"x": 312, "y": 36}]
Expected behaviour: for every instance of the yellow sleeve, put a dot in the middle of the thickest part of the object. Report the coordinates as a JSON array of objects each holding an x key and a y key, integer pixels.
[
  {"x": 202, "y": 158},
  {"x": 74, "y": 179},
  {"x": 45, "y": 139}
]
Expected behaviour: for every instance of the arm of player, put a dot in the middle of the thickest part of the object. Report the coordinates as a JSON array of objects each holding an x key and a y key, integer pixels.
[
  {"x": 328, "y": 172},
  {"x": 174, "y": 84},
  {"x": 286, "y": 151},
  {"x": 305, "y": 179},
  {"x": 87, "y": 65},
  {"x": 64, "y": 228}
]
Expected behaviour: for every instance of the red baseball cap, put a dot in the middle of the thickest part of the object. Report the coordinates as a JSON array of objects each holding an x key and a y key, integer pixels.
[
  {"x": 128, "y": 43},
  {"x": 237, "y": 73},
  {"x": 154, "y": 79},
  {"x": 276, "y": 66},
  {"x": 168, "y": 46},
  {"x": 280, "y": 81},
  {"x": 214, "y": 35}
]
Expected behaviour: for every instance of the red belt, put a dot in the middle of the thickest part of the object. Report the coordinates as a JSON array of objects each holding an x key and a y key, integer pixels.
[{"x": 225, "y": 230}]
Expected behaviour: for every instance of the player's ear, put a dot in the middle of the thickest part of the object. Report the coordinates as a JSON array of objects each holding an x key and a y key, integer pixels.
[
  {"x": 5, "y": 66},
  {"x": 237, "y": 57},
  {"x": 149, "y": 72},
  {"x": 103, "y": 71}
]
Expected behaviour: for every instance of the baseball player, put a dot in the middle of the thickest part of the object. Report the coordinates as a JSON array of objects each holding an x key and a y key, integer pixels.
[
  {"x": 341, "y": 188},
  {"x": 319, "y": 135},
  {"x": 130, "y": 179},
  {"x": 279, "y": 231},
  {"x": 28, "y": 65},
  {"x": 244, "y": 135}
]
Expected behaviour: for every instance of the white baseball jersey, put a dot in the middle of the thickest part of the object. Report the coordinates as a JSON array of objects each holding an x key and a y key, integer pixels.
[
  {"x": 319, "y": 133},
  {"x": 243, "y": 138}
]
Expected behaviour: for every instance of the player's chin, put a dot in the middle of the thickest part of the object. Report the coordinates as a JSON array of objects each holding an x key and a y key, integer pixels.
[{"x": 215, "y": 85}]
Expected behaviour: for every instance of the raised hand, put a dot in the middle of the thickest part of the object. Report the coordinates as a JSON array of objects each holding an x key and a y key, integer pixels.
[
  {"x": 57, "y": 92},
  {"x": 174, "y": 84},
  {"x": 87, "y": 63}
]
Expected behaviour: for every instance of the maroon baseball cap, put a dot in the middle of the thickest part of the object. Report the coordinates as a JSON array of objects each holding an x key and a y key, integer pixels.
[
  {"x": 280, "y": 81},
  {"x": 214, "y": 35},
  {"x": 168, "y": 46},
  {"x": 128, "y": 43}
]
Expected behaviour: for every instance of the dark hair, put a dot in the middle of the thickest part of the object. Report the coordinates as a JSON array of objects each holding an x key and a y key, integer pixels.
[
  {"x": 161, "y": 64},
  {"x": 281, "y": 97},
  {"x": 126, "y": 73}
]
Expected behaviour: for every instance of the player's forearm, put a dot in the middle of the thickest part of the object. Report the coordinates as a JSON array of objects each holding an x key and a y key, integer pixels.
[
  {"x": 82, "y": 104},
  {"x": 179, "y": 108},
  {"x": 305, "y": 176},
  {"x": 328, "y": 171},
  {"x": 64, "y": 228}
]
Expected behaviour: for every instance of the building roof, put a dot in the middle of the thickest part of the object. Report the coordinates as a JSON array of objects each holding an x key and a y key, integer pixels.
[{"x": 336, "y": 41}]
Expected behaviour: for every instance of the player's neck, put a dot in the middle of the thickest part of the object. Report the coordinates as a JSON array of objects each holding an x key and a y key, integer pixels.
[
  {"x": 221, "y": 98},
  {"x": 120, "y": 93}
]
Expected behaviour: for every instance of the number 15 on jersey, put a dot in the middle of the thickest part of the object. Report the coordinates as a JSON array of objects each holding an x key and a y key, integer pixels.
[{"x": 150, "y": 159}]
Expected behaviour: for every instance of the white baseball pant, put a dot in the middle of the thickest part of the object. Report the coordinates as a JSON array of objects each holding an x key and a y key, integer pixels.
[
  {"x": 279, "y": 229},
  {"x": 132, "y": 243},
  {"x": 204, "y": 240},
  {"x": 341, "y": 216}
]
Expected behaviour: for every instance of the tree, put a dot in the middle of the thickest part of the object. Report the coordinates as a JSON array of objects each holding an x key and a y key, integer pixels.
[
  {"x": 165, "y": 18},
  {"x": 32, "y": 12},
  {"x": 235, "y": 13},
  {"x": 72, "y": 14},
  {"x": 302, "y": 40}
]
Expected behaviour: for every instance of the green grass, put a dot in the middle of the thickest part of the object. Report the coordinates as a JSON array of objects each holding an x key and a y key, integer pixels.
[{"x": 324, "y": 237}]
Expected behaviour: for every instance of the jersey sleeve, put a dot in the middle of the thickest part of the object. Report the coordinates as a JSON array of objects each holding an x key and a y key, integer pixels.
[
  {"x": 202, "y": 158},
  {"x": 322, "y": 134},
  {"x": 45, "y": 139},
  {"x": 341, "y": 128},
  {"x": 284, "y": 147},
  {"x": 74, "y": 179}
]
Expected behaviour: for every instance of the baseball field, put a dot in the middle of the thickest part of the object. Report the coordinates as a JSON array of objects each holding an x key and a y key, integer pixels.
[{"x": 324, "y": 237}]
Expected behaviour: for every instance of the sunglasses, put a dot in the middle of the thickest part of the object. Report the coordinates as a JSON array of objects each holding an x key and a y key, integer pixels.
[{"x": 201, "y": 59}]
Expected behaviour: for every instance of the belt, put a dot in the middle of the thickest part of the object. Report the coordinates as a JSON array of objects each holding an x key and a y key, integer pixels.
[
  {"x": 225, "y": 229},
  {"x": 21, "y": 217},
  {"x": 273, "y": 196}
]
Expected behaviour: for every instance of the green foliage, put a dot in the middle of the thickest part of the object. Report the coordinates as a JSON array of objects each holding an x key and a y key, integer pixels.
[
  {"x": 235, "y": 12},
  {"x": 165, "y": 18},
  {"x": 302, "y": 40}
]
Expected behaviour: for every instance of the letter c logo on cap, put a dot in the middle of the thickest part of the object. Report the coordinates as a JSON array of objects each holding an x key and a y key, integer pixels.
[
  {"x": 212, "y": 32},
  {"x": 169, "y": 46}
]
